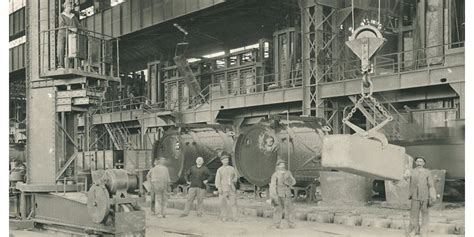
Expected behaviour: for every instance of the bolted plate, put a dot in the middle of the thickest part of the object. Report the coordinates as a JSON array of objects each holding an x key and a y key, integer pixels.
[{"x": 98, "y": 203}]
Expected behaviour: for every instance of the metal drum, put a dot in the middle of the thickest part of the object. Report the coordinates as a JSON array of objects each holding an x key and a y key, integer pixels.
[
  {"x": 181, "y": 148},
  {"x": 258, "y": 147}
]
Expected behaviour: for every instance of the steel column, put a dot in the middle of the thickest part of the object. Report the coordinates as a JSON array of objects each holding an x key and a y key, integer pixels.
[{"x": 319, "y": 35}]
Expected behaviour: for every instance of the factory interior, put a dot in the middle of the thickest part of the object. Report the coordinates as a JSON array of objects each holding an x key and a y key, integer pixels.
[{"x": 346, "y": 92}]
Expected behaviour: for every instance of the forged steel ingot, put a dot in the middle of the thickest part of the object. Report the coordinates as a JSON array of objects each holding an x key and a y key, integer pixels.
[
  {"x": 258, "y": 147},
  {"x": 358, "y": 155},
  {"x": 98, "y": 203}
]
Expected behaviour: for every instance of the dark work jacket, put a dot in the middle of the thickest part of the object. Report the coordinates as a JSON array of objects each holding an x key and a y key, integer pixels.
[{"x": 197, "y": 175}]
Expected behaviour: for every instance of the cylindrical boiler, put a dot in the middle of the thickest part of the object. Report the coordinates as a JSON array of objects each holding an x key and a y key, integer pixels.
[
  {"x": 258, "y": 147},
  {"x": 181, "y": 148}
]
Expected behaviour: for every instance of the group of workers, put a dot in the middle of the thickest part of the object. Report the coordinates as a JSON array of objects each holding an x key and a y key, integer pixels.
[{"x": 421, "y": 191}]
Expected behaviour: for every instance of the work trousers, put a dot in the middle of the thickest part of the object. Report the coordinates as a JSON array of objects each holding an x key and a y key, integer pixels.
[
  {"x": 283, "y": 204},
  {"x": 228, "y": 201},
  {"x": 161, "y": 200},
  {"x": 195, "y": 193},
  {"x": 61, "y": 50},
  {"x": 416, "y": 207}
]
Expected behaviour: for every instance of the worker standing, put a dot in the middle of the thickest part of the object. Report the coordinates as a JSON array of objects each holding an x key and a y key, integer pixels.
[
  {"x": 226, "y": 178},
  {"x": 67, "y": 22},
  {"x": 160, "y": 185},
  {"x": 197, "y": 178},
  {"x": 280, "y": 191},
  {"x": 422, "y": 195}
]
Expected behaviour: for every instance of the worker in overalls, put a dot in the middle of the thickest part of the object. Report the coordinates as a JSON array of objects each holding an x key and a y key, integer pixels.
[
  {"x": 280, "y": 191},
  {"x": 160, "y": 186},
  {"x": 67, "y": 22},
  {"x": 197, "y": 177},
  {"x": 226, "y": 178},
  {"x": 422, "y": 195}
]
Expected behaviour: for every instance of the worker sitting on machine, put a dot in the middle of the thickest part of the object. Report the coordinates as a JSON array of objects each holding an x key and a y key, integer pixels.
[
  {"x": 422, "y": 195},
  {"x": 160, "y": 186},
  {"x": 280, "y": 192}
]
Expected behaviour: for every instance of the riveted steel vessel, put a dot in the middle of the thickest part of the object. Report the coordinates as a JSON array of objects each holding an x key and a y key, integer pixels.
[
  {"x": 182, "y": 146},
  {"x": 258, "y": 147}
]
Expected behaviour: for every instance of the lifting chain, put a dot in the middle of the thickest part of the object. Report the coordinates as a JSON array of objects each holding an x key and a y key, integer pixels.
[{"x": 366, "y": 80}]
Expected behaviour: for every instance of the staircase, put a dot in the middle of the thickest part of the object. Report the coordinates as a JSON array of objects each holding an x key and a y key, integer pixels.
[{"x": 119, "y": 135}]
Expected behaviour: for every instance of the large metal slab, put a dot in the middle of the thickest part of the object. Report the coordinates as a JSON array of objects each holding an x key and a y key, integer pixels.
[{"x": 357, "y": 155}]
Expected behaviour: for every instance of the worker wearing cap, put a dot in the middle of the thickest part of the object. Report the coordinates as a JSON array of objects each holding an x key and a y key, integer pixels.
[
  {"x": 197, "y": 178},
  {"x": 422, "y": 195},
  {"x": 226, "y": 178},
  {"x": 160, "y": 186},
  {"x": 280, "y": 187}
]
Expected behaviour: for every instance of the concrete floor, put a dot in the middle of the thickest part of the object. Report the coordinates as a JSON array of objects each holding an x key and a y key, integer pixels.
[
  {"x": 209, "y": 225},
  {"x": 251, "y": 225}
]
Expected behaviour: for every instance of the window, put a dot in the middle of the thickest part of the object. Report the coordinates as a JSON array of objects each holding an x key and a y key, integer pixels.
[{"x": 457, "y": 22}]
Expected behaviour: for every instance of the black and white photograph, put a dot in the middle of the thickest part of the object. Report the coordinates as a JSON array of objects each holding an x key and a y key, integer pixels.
[{"x": 236, "y": 118}]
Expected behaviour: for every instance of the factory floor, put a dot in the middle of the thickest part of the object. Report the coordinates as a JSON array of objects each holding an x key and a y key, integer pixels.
[
  {"x": 311, "y": 220},
  {"x": 210, "y": 225},
  {"x": 446, "y": 219}
]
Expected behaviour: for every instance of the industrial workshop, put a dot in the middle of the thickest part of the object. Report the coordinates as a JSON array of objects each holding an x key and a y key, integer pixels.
[{"x": 237, "y": 118}]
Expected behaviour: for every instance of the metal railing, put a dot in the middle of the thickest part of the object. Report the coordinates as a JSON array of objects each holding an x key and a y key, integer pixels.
[
  {"x": 254, "y": 84},
  {"x": 80, "y": 50},
  {"x": 127, "y": 104},
  {"x": 393, "y": 63}
]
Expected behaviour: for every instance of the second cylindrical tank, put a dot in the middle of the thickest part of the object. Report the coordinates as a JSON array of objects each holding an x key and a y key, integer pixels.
[
  {"x": 182, "y": 146},
  {"x": 258, "y": 147}
]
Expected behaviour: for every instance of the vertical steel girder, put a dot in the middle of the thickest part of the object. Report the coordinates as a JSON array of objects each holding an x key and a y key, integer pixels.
[{"x": 319, "y": 37}]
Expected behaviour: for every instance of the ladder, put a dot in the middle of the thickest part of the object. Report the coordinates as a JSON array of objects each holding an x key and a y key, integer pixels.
[{"x": 119, "y": 135}]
